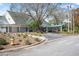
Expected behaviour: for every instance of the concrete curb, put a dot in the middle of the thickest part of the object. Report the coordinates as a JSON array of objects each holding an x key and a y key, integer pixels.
[
  {"x": 44, "y": 40},
  {"x": 40, "y": 37}
]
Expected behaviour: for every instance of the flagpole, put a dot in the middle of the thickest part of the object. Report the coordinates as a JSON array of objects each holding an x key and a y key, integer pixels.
[{"x": 68, "y": 18}]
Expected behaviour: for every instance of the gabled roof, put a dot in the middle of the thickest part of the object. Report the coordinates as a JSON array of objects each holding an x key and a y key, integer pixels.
[
  {"x": 29, "y": 21},
  {"x": 19, "y": 18},
  {"x": 3, "y": 20},
  {"x": 46, "y": 24}
]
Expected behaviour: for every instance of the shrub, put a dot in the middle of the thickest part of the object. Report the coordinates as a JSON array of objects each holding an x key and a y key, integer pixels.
[
  {"x": 76, "y": 29},
  {"x": 38, "y": 40},
  {"x": 20, "y": 40},
  {"x": 1, "y": 47},
  {"x": 3, "y": 41},
  {"x": 5, "y": 33},
  {"x": 33, "y": 25},
  {"x": 19, "y": 35},
  {"x": 24, "y": 36},
  {"x": 27, "y": 42}
]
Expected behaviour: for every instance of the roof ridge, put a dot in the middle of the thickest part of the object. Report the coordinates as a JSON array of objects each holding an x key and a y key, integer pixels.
[{"x": 16, "y": 12}]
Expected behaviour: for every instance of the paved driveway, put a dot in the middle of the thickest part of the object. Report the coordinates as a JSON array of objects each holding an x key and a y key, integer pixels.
[
  {"x": 52, "y": 36},
  {"x": 65, "y": 46}
]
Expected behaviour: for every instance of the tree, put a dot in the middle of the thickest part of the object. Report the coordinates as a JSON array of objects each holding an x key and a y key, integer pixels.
[
  {"x": 57, "y": 17},
  {"x": 16, "y": 7},
  {"x": 37, "y": 11},
  {"x": 76, "y": 20},
  {"x": 33, "y": 25}
]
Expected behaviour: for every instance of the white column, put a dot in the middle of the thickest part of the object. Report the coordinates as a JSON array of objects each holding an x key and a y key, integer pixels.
[
  {"x": 68, "y": 17},
  {"x": 61, "y": 28},
  {"x": 68, "y": 21},
  {"x": 46, "y": 29}
]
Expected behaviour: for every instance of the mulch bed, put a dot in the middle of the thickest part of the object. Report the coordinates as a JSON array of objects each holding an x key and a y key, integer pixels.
[{"x": 21, "y": 39}]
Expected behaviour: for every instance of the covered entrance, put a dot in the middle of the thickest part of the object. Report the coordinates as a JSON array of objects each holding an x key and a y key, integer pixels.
[{"x": 13, "y": 28}]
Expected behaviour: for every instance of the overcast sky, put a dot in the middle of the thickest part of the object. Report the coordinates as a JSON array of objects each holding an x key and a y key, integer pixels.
[{"x": 5, "y": 6}]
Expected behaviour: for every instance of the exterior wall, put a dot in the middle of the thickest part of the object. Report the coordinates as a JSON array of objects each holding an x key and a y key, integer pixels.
[
  {"x": 11, "y": 29},
  {"x": 22, "y": 29},
  {"x": 2, "y": 29},
  {"x": 11, "y": 21},
  {"x": 9, "y": 18},
  {"x": 16, "y": 29}
]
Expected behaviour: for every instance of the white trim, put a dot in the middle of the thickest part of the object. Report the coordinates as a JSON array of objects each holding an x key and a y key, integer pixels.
[{"x": 9, "y": 18}]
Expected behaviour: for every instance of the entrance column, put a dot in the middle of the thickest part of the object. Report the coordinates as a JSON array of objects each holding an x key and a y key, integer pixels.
[
  {"x": 61, "y": 28},
  {"x": 46, "y": 29}
]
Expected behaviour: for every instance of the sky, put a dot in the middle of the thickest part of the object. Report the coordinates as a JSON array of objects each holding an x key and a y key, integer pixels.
[{"x": 5, "y": 6}]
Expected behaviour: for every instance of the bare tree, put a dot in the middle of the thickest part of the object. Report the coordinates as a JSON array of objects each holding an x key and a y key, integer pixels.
[
  {"x": 15, "y": 7},
  {"x": 58, "y": 15},
  {"x": 37, "y": 11}
]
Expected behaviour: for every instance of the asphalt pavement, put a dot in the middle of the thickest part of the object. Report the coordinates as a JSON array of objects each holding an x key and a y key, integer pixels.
[{"x": 63, "y": 46}]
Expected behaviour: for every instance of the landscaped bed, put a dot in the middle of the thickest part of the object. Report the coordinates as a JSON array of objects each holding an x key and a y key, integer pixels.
[
  {"x": 35, "y": 33},
  {"x": 15, "y": 40}
]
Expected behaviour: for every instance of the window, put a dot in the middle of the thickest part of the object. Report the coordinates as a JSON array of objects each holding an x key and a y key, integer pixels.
[
  {"x": 2, "y": 27},
  {"x": 10, "y": 29},
  {"x": 18, "y": 29}
]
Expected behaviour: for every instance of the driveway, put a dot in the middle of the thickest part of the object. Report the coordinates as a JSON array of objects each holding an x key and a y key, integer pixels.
[
  {"x": 64, "y": 46},
  {"x": 52, "y": 36}
]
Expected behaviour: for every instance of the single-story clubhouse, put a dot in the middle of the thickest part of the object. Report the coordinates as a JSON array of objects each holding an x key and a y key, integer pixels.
[{"x": 16, "y": 22}]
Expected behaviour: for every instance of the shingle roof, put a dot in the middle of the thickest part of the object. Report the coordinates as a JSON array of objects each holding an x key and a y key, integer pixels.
[
  {"x": 3, "y": 20},
  {"x": 19, "y": 18},
  {"x": 46, "y": 24}
]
